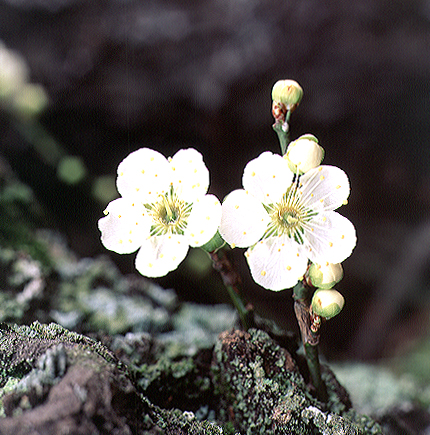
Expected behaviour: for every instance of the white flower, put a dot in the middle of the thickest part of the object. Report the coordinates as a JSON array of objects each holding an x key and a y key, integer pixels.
[
  {"x": 286, "y": 220},
  {"x": 163, "y": 209}
]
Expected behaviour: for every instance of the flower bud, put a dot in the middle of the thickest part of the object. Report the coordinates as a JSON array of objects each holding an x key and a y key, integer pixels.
[
  {"x": 304, "y": 153},
  {"x": 327, "y": 276},
  {"x": 287, "y": 92},
  {"x": 327, "y": 303}
]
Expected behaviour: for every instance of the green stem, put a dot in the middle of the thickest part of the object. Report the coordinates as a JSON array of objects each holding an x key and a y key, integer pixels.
[
  {"x": 240, "y": 307},
  {"x": 302, "y": 299},
  {"x": 283, "y": 135},
  {"x": 233, "y": 284},
  {"x": 312, "y": 358}
]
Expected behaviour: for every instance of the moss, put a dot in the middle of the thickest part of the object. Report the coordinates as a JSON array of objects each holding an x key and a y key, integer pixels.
[
  {"x": 259, "y": 396},
  {"x": 21, "y": 346},
  {"x": 176, "y": 422},
  {"x": 52, "y": 355},
  {"x": 182, "y": 382},
  {"x": 255, "y": 386},
  {"x": 9, "y": 386}
]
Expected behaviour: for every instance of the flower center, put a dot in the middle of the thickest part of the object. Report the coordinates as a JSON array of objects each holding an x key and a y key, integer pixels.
[
  {"x": 169, "y": 215},
  {"x": 289, "y": 216}
]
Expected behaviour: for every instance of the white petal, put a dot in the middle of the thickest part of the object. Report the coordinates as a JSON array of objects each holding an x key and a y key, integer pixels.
[
  {"x": 144, "y": 172},
  {"x": 203, "y": 221},
  {"x": 324, "y": 188},
  {"x": 332, "y": 239},
  {"x": 244, "y": 219},
  {"x": 277, "y": 263},
  {"x": 125, "y": 226},
  {"x": 267, "y": 177},
  {"x": 161, "y": 254},
  {"x": 190, "y": 174}
]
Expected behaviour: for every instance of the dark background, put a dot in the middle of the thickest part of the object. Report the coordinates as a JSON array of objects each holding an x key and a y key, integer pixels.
[{"x": 123, "y": 74}]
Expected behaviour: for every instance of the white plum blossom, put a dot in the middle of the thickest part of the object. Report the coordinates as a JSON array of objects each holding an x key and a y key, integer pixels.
[
  {"x": 287, "y": 220},
  {"x": 163, "y": 209}
]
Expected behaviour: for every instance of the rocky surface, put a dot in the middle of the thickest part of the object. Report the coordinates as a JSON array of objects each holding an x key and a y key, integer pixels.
[
  {"x": 169, "y": 74},
  {"x": 55, "y": 381}
]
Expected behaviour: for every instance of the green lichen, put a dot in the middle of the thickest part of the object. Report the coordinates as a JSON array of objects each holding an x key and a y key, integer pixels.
[
  {"x": 257, "y": 396},
  {"x": 9, "y": 386},
  {"x": 21, "y": 346},
  {"x": 179, "y": 422},
  {"x": 49, "y": 352}
]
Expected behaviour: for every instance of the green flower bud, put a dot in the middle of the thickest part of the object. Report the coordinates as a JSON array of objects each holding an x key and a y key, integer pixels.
[
  {"x": 304, "y": 153},
  {"x": 327, "y": 303},
  {"x": 287, "y": 92},
  {"x": 326, "y": 276}
]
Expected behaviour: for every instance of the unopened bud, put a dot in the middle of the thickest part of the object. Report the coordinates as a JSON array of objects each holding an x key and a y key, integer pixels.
[
  {"x": 327, "y": 303},
  {"x": 287, "y": 92},
  {"x": 325, "y": 276},
  {"x": 304, "y": 153}
]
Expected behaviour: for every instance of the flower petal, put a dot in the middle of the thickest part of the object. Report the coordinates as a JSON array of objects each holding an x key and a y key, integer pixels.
[
  {"x": 329, "y": 237},
  {"x": 144, "y": 172},
  {"x": 203, "y": 221},
  {"x": 125, "y": 226},
  {"x": 161, "y": 254},
  {"x": 267, "y": 177},
  {"x": 190, "y": 174},
  {"x": 277, "y": 263},
  {"x": 324, "y": 188},
  {"x": 244, "y": 219}
]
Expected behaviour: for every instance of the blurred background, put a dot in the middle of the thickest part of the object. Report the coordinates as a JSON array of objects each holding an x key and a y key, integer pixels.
[{"x": 116, "y": 75}]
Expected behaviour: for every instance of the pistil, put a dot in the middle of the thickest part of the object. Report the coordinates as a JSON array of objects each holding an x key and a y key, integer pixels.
[{"x": 169, "y": 215}]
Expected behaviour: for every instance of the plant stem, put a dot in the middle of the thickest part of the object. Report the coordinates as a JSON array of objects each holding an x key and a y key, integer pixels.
[
  {"x": 233, "y": 284},
  {"x": 312, "y": 358},
  {"x": 302, "y": 299},
  {"x": 282, "y": 128},
  {"x": 240, "y": 307}
]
